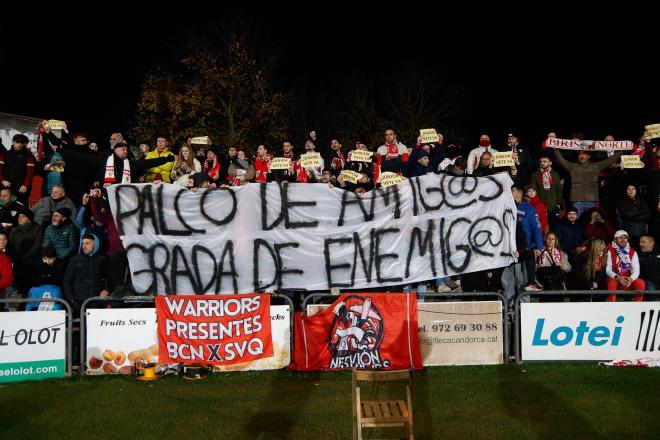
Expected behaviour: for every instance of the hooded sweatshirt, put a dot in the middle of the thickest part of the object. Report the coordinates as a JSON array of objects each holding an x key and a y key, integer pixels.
[{"x": 86, "y": 275}]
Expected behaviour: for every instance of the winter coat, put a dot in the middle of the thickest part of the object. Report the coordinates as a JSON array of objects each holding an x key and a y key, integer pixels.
[
  {"x": 603, "y": 230},
  {"x": 25, "y": 241},
  {"x": 49, "y": 274},
  {"x": 81, "y": 169},
  {"x": 64, "y": 238},
  {"x": 531, "y": 225},
  {"x": 162, "y": 169},
  {"x": 551, "y": 197},
  {"x": 9, "y": 212},
  {"x": 43, "y": 210},
  {"x": 542, "y": 211},
  {"x": 86, "y": 276},
  {"x": 17, "y": 167},
  {"x": 569, "y": 234},
  {"x": 634, "y": 216},
  {"x": 584, "y": 177},
  {"x": 6, "y": 272},
  {"x": 649, "y": 264}
]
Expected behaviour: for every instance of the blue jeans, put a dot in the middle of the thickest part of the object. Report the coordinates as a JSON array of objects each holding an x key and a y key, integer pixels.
[
  {"x": 513, "y": 278},
  {"x": 650, "y": 285}
]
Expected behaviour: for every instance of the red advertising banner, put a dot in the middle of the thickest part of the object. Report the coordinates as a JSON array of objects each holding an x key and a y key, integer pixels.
[
  {"x": 360, "y": 330},
  {"x": 214, "y": 329}
]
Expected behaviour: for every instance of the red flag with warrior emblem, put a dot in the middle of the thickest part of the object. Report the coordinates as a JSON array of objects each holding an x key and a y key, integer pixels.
[{"x": 360, "y": 330}]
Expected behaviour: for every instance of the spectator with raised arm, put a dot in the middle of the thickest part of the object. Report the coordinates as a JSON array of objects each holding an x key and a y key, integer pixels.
[{"x": 584, "y": 178}]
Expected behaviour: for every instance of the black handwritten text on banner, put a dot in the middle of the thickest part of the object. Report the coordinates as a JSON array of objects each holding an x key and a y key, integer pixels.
[{"x": 308, "y": 236}]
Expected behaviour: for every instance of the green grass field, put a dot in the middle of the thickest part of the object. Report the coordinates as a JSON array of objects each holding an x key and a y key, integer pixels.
[{"x": 500, "y": 402}]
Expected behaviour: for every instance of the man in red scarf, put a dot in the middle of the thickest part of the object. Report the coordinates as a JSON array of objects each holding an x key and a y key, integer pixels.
[
  {"x": 392, "y": 155},
  {"x": 334, "y": 157},
  {"x": 261, "y": 163},
  {"x": 548, "y": 186}
]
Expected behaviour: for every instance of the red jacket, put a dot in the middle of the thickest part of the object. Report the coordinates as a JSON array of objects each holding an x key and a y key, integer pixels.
[
  {"x": 604, "y": 231},
  {"x": 105, "y": 217},
  {"x": 542, "y": 212},
  {"x": 6, "y": 272},
  {"x": 261, "y": 169}
]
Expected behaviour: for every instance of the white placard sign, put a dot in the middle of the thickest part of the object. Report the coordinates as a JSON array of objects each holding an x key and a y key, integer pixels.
[
  {"x": 504, "y": 159},
  {"x": 201, "y": 140},
  {"x": 631, "y": 161},
  {"x": 428, "y": 136}
]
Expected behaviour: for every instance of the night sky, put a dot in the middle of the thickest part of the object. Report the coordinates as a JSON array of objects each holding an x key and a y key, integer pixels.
[{"x": 533, "y": 75}]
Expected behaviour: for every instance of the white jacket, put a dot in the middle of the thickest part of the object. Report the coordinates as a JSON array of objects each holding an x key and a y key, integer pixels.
[{"x": 475, "y": 156}]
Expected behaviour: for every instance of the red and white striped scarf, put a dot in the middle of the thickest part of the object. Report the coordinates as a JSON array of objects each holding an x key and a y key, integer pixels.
[
  {"x": 554, "y": 253},
  {"x": 110, "y": 171},
  {"x": 546, "y": 178}
]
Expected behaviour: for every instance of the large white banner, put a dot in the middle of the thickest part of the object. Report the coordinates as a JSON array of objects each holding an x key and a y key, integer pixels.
[
  {"x": 307, "y": 236},
  {"x": 590, "y": 331},
  {"x": 32, "y": 345}
]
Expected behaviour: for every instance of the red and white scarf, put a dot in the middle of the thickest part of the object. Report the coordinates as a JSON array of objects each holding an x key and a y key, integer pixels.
[
  {"x": 110, "y": 171},
  {"x": 554, "y": 253},
  {"x": 546, "y": 178},
  {"x": 622, "y": 259},
  {"x": 213, "y": 171},
  {"x": 392, "y": 150}
]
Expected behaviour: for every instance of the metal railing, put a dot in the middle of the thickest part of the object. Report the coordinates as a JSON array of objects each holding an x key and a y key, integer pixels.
[{"x": 68, "y": 347}]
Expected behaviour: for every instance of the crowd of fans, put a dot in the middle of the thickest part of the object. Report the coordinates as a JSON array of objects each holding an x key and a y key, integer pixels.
[{"x": 583, "y": 221}]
